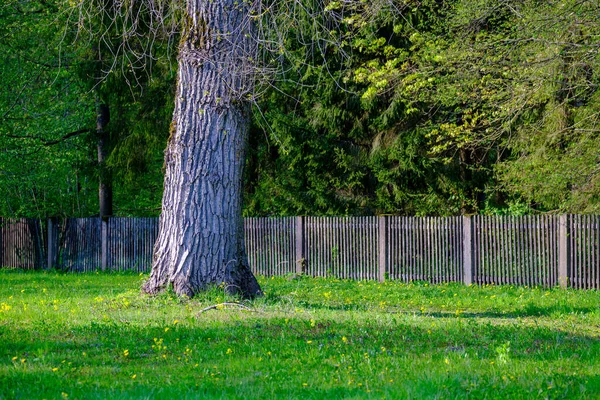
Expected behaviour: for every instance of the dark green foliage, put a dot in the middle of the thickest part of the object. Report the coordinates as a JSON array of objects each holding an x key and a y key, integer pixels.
[
  {"x": 357, "y": 141},
  {"x": 404, "y": 107},
  {"x": 449, "y": 108},
  {"x": 306, "y": 156},
  {"x": 42, "y": 101},
  {"x": 139, "y": 128},
  {"x": 51, "y": 88}
]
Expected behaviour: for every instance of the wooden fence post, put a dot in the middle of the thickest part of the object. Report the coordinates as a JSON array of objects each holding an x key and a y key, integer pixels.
[
  {"x": 563, "y": 250},
  {"x": 104, "y": 243},
  {"x": 382, "y": 247},
  {"x": 467, "y": 250},
  {"x": 300, "y": 256}
]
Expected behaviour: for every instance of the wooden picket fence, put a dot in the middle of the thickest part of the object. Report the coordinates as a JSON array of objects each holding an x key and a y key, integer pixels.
[
  {"x": 21, "y": 243},
  {"x": 89, "y": 244},
  {"x": 532, "y": 250}
]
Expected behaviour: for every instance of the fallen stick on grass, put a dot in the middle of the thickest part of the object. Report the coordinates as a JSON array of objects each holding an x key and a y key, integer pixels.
[{"x": 223, "y": 305}]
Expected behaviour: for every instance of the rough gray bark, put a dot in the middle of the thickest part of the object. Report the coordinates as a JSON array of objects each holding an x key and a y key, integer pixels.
[{"x": 201, "y": 236}]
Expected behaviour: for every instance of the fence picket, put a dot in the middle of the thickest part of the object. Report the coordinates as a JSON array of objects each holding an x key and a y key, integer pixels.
[{"x": 531, "y": 250}]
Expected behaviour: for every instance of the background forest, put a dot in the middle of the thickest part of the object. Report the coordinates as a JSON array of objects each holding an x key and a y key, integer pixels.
[{"x": 419, "y": 108}]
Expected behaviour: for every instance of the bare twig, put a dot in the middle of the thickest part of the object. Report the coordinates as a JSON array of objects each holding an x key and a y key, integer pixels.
[
  {"x": 51, "y": 142},
  {"x": 228, "y": 304}
]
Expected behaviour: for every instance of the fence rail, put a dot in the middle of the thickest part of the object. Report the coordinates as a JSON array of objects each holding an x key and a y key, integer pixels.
[{"x": 533, "y": 250}]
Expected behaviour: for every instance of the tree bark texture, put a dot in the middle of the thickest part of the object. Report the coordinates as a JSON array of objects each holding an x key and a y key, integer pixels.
[{"x": 201, "y": 233}]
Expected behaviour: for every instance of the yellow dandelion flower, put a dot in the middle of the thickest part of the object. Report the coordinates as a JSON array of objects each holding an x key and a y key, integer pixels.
[
  {"x": 54, "y": 369},
  {"x": 229, "y": 351},
  {"x": 133, "y": 376},
  {"x": 167, "y": 329},
  {"x": 344, "y": 339},
  {"x": 309, "y": 341}
]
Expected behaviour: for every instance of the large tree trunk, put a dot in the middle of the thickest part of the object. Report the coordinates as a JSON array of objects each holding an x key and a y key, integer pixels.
[{"x": 201, "y": 234}]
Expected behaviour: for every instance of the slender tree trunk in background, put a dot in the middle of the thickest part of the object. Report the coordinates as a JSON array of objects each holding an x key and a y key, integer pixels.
[
  {"x": 465, "y": 177},
  {"x": 105, "y": 193},
  {"x": 201, "y": 233}
]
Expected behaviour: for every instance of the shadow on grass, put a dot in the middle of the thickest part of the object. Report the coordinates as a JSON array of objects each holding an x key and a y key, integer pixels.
[
  {"x": 249, "y": 356},
  {"x": 528, "y": 310},
  {"x": 407, "y": 337}
]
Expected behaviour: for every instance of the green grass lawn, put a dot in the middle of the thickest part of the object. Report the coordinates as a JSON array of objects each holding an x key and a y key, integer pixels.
[{"x": 95, "y": 336}]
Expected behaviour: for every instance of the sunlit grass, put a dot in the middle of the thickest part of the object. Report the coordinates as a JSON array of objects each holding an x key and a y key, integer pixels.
[{"x": 96, "y": 336}]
